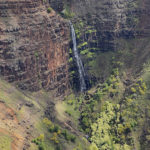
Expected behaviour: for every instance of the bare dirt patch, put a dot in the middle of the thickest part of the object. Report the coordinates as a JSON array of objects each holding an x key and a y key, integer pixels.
[{"x": 10, "y": 126}]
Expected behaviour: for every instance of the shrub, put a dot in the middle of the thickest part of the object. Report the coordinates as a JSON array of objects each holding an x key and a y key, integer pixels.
[
  {"x": 68, "y": 137},
  {"x": 70, "y": 51},
  {"x": 133, "y": 90},
  {"x": 84, "y": 52},
  {"x": 55, "y": 138},
  {"x": 56, "y": 128},
  {"x": 41, "y": 137},
  {"x": 51, "y": 128},
  {"x": 98, "y": 95},
  {"x": 144, "y": 86},
  {"x": 70, "y": 60},
  {"x": 141, "y": 91},
  {"x": 67, "y": 112},
  {"x": 36, "y": 141},
  {"x": 67, "y": 13},
  {"x": 59, "y": 132},
  {"x": 41, "y": 147},
  {"x": 58, "y": 147},
  {"x": 70, "y": 102},
  {"x": 72, "y": 138},
  {"x": 116, "y": 71},
  {"x": 65, "y": 134},
  {"x": 93, "y": 147},
  {"x": 39, "y": 141},
  {"x": 49, "y": 9},
  {"x": 47, "y": 122}
]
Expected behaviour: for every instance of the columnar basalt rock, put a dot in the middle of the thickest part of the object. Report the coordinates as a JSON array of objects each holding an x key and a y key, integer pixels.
[{"x": 33, "y": 45}]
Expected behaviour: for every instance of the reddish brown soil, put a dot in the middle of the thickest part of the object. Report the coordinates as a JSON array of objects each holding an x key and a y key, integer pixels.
[{"x": 9, "y": 125}]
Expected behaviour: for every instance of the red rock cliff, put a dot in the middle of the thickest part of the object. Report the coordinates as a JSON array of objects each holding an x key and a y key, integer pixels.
[{"x": 33, "y": 45}]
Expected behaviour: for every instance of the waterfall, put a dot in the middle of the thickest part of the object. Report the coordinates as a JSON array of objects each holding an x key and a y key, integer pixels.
[{"x": 78, "y": 60}]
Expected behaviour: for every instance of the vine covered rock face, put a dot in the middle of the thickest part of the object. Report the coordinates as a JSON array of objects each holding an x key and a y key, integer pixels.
[{"x": 33, "y": 45}]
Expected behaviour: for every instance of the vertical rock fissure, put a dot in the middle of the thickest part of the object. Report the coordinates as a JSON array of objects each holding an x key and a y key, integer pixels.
[{"x": 78, "y": 60}]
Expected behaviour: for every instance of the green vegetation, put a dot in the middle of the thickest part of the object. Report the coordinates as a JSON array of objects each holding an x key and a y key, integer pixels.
[
  {"x": 84, "y": 52},
  {"x": 44, "y": 1},
  {"x": 90, "y": 111},
  {"x": 79, "y": 29},
  {"x": 66, "y": 13},
  {"x": 58, "y": 133},
  {"x": 5, "y": 142},
  {"x": 70, "y": 60},
  {"x": 69, "y": 107},
  {"x": 82, "y": 45},
  {"x": 68, "y": 137},
  {"x": 90, "y": 31},
  {"x": 36, "y": 54},
  {"x": 111, "y": 115},
  {"x": 49, "y": 9},
  {"x": 55, "y": 135},
  {"x": 107, "y": 130},
  {"x": 39, "y": 141}
]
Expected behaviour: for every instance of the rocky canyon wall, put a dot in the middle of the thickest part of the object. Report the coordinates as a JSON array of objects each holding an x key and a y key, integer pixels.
[
  {"x": 111, "y": 18},
  {"x": 110, "y": 29},
  {"x": 34, "y": 43},
  {"x": 33, "y": 46}
]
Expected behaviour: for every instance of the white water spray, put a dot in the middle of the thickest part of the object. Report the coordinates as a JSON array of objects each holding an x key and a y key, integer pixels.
[{"x": 78, "y": 60}]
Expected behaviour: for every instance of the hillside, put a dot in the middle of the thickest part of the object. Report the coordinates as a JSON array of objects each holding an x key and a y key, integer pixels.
[{"x": 74, "y": 75}]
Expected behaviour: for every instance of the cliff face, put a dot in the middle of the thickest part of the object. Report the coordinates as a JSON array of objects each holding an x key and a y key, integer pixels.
[
  {"x": 111, "y": 18},
  {"x": 110, "y": 28},
  {"x": 33, "y": 45}
]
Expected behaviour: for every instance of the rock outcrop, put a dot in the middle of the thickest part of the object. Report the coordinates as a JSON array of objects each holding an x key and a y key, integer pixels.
[
  {"x": 34, "y": 45},
  {"x": 110, "y": 28},
  {"x": 111, "y": 18}
]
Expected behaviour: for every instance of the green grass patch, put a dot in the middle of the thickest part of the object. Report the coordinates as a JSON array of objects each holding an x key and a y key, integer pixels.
[
  {"x": 5, "y": 142},
  {"x": 67, "y": 109}
]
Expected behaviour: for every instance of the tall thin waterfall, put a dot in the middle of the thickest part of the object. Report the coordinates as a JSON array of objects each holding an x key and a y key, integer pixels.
[{"x": 78, "y": 60}]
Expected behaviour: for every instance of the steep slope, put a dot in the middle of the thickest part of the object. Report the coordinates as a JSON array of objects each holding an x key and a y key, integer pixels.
[
  {"x": 113, "y": 40},
  {"x": 33, "y": 45},
  {"x": 109, "y": 29},
  {"x": 16, "y": 118},
  {"x": 26, "y": 117}
]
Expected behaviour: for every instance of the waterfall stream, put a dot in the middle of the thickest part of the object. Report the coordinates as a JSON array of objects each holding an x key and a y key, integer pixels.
[{"x": 78, "y": 60}]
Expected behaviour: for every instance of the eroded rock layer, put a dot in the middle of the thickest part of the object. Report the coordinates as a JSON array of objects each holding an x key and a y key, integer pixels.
[{"x": 33, "y": 45}]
